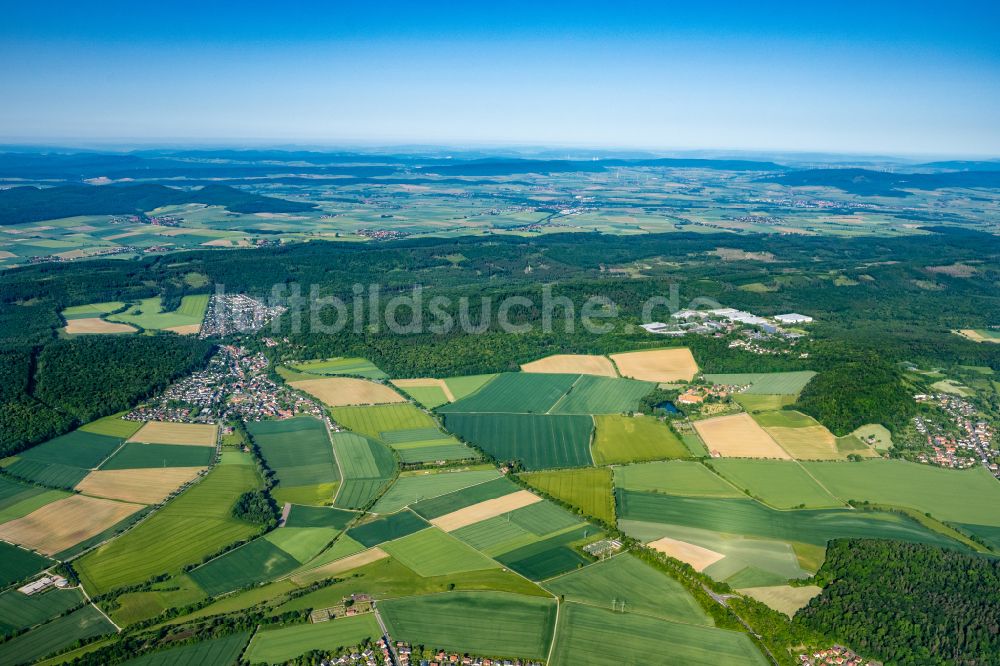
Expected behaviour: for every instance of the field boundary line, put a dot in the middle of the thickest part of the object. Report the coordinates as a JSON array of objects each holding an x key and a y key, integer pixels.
[
  {"x": 555, "y": 630},
  {"x": 99, "y": 609},
  {"x": 112, "y": 455},
  {"x": 565, "y": 393},
  {"x": 336, "y": 459}
]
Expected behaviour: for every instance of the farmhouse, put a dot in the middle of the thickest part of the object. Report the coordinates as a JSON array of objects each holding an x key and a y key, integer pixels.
[
  {"x": 792, "y": 318},
  {"x": 43, "y": 583}
]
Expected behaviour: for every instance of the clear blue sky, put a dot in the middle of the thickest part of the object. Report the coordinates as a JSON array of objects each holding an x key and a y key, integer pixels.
[{"x": 874, "y": 77}]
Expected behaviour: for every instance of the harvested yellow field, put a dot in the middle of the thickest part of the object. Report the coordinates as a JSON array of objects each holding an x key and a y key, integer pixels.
[
  {"x": 698, "y": 557},
  {"x": 738, "y": 436},
  {"x": 485, "y": 510},
  {"x": 809, "y": 443},
  {"x": 572, "y": 364},
  {"x": 345, "y": 391},
  {"x": 340, "y": 566},
  {"x": 976, "y": 336},
  {"x": 190, "y": 329},
  {"x": 96, "y": 325},
  {"x": 424, "y": 382},
  {"x": 164, "y": 432},
  {"x": 657, "y": 365},
  {"x": 145, "y": 486},
  {"x": 65, "y": 523},
  {"x": 783, "y": 598}
]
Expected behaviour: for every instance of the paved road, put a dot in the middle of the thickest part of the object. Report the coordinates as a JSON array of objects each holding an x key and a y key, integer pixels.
[{"x": 393, "y": 657}]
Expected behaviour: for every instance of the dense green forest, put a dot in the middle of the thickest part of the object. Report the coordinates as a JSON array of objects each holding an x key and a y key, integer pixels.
[
  {"x": 909, "y": 604},
  {"x": 881, "y": 311}
]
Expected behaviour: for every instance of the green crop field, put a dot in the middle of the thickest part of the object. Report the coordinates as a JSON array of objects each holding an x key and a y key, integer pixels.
[
  {"x": 588, "y": 635},
  {"x": 113, "y": 426},
  {"x": 785, "y": 418},
  {"x": 257, "y": 561},
  {"x": 624, "y": 439},
  {"x": 19, "y": 499},
  {"x": 538, "y": 441},
  {"x": 367, "y": 466},
  {"x": 602, "y": 395},
  {"x": 428, "y": 396},
  {"x": 55, "y": 636},
  {"x": 215, "y": 651},
  {"x": 543, "y": 518},
  {"x": 488, "y": 623},
  {"x": 280, "y": 645},
  {"x": 302, "y": 543},
  {"x": 19, "y": 563},
  {"x": 676, "y": 477},
  {"x": 960, "y": 496},
  {"x": 432, "y": 451},
  {"x": 387, "y": 528},
  {"x": 298, "y": 450},
  {"x": 759, "y": 402},
  {"x": 439, "y": 506},
  {"x": 197, "y": 523},
  {"x": 431, "y": 552},
  {"x": 781, "y": 483},
  {"x": 377, "y": 419},
  {"x": 411, "y": 436},
  {"x": 314, "y": 516},
  {"x": 588, "y": 488},
  {"x": 511, "y": 392},
  {"x": 148, "y": 313},
  {"x": 137, "y": 456},
  {"x": 496, "y": 535},
  {"x": 750, "y": 518},
  {"x": 76, "y": 449},
  {"x": 412, "y": 488},
  {"x": 19, "y": 611},
  {"x": 49, "y": 474},
  {"x": 340, "y": 366},
  {"x": 767, "y": 383},
  {"x": 463, "y": 386},
  {"x": 625, "y": 579},
  {"x": 549, "y": 557}
]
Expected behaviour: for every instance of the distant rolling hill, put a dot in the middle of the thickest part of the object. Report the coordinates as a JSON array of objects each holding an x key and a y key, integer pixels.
[
  {"x": 883, "y": 183},
  {"x": 20, "y": 205}
]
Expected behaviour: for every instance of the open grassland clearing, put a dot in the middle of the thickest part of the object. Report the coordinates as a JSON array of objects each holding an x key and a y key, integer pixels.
[
  {"x": 20, "y": 611},
  {"x": 164, "y": 432},
  {"x": 484, "y": 510},
  {"x": 431, "y": 552},
  {"x": 65, "y": 523},
  {"x": 626, "y": 439},
  {"x": 141, "y": 456},
  {"x": 539, "y": 441},
  {"x": 220, "y": 651},
  {"x": 760, "y": 402},
  {"x": 55, "y": 636},
  {"x": 412, "y": 487},
  {"x": 255, "y": 562},
  {"x": 657, "y": 365},
  {"x": 359, "y": 367},
  {"x": 588, "y": 489},
  {"x": 387, "y": 528},
  {"x": 439, "y": 506},
  {"x": 738, "y": 436},
  {"x": 572, "y": 364},
  {"x": 782, "y": 484},
  {"x": 493, "y": 623},
  {"x": 959, "y": 496},
  {"x": 96, "y": 326},
  {"x": 461, "y": 387},
  {"x": 148, "y": 314},
  {"x": 589, "y": 636},
  {"x": 678, "y": 477},
  {"x": 783, "y": 598},
  {"x": 19, "y": 563},
  {"x": 91, "y": 310},
  {"x": 515, "y": 392},
  {"x": 767, "y": 383},
  {"x": 175, "y": 592},
  {"x": 750, "y": 518},
  {"x": 113, "y": 426},
  {"x": 298, "y": 450},
  {"x": 602, "y": 395},
  {"x": 144, "y": 486},
  {"x": 274, "y": 646},
  {"x": 623, "y": 579},
  {"x": 876, "y": 435},
  {"x": 344, "y": 391},
  {"x": 803, "y": 437},
  {"x": 197, "y": 523}
]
